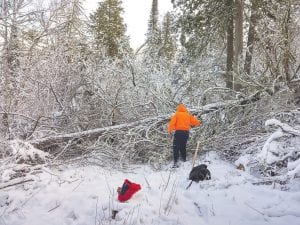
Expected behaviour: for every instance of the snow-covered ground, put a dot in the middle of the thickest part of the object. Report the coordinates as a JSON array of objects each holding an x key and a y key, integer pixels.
[{"x": 87, "y": 196}]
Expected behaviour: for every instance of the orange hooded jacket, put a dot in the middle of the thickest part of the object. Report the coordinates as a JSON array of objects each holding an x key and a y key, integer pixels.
[{"x": 182, "y": 120}]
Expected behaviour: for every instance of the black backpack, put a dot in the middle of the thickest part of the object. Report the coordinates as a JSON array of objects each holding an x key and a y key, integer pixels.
[{"x": 199, "y": 173}]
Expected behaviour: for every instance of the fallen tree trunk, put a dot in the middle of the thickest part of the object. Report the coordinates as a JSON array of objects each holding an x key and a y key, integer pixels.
[
  {"x": 15, "y": 182},
  {"x": 48, "y": 142},
  {"x": 51, "y": 143}
]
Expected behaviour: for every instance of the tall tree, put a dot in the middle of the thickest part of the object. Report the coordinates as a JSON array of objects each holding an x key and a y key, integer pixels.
[
  {"x": 10, "y": 14},
  {"x": 204, "y": 22},
  {"x": 168, "y": 48},
  {"x": 251, "y": 37},
  {"x": 286, "y": 33},
  {"x": 230, "y": 45},
  {"x": 109, "y": 29},
  {"x": 153, "y": 35},
  {"x": 73, "y": 24},
  {"x": 239, "y": 19},
  {"x": 201, "y": 23},
  {"x": 238, "y": 42}
]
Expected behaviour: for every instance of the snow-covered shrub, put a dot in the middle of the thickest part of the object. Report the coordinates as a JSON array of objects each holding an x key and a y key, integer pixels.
[
  {"x": 281, "y": 152},
  {"x": 25, "y": 153},
  {"x": 279, "y": 155}
]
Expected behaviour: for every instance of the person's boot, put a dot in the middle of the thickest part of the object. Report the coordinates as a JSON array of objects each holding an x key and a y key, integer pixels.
[{"x": 175, "y": 165}]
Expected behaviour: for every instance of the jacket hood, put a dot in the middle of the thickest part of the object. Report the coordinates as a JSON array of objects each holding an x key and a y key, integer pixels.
[{"x": 181, "y": 108}]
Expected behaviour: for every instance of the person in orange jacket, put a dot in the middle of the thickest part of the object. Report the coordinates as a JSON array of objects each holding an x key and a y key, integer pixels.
[{"x": 181, "y": 122}]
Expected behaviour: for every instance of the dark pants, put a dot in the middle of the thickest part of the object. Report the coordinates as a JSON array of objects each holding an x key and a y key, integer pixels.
[{"x": 179, "y": 144}]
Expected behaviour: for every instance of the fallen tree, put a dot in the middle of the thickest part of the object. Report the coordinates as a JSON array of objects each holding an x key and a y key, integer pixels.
[
  {"x": 53, "y": 141},
  {"x": 228, "y": 126}
]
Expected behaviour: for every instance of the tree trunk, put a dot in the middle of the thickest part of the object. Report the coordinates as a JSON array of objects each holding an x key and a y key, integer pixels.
[
  {"x": 238, "y": 42},
  {"x": 239, "y": 29},
  {"x": 6, "y": 91},
  {"x": 251, "y": 39},
  {"x": 230, "y": 52},
  {"x": 50, "y": 143},
  {"x": 286, "y": 38}
]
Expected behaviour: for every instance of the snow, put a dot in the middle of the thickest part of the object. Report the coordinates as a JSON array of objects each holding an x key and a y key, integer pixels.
[
  {"x": 285, "y": 127},
  {"x": 75, "y": 195},
  {"x": 270, "y": 151},
  {"x": 281, "y": 145},
  {"x": 24, "y": 151}
]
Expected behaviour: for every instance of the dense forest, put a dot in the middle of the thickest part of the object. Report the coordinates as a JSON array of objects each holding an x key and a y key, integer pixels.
[{"x": 72, "y": 86}]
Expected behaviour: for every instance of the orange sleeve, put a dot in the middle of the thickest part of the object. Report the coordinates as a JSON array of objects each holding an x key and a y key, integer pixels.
[
  {"x": 172, "y": 123},
  {"x": 195, "y": 121}
]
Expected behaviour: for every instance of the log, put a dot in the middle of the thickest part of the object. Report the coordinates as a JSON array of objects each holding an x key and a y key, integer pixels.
[
  {"x": 15, "y": 182},
  {"x": 48, "y": 142}
]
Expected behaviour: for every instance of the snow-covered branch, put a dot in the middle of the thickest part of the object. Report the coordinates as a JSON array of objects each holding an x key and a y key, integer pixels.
[{"x": 284, "y": 127}]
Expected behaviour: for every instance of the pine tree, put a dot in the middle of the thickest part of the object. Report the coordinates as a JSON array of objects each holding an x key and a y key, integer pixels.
[
  {"x": 168, "y": 49},
  {"x": 201, "y": 22},
  {"x": 109, "y": 29},
  {"x": 153, "y": 35}
]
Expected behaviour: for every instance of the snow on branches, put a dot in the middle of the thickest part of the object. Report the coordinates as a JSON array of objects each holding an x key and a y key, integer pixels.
[
  {"x": 22, "y": 165},
  {"x": 24, "y": 152},
  {"x": 282, "y": 148}
]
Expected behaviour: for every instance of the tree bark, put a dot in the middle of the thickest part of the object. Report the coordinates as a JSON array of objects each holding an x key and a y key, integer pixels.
[
  {"x": 251, "y": 39},
  {"x": 239, "y": 30},
  {"x": 48, "y": 143},
  {"x": 230, "y": 50},
  {"x": 6, "y": 91},
  {"x": 295, "y": 84},
  {"x": 286, "y": 38},
  {"x": 238, "y": 42}
]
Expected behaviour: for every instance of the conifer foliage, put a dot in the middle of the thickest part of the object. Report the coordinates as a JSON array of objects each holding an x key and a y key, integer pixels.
[{"x": 108, "y": 28}]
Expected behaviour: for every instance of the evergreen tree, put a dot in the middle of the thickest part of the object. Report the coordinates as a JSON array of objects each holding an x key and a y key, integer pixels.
[
  {"x": 201, "y": 22},
  {"x": 168, "y": 49},
  {"x": 109, "y": 29},
  {"x": 204, "y": 22},
  {"x": 153, "y": 35}
]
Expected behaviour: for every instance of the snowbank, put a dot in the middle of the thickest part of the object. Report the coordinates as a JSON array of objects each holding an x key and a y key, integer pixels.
[
  {"x": 25, "y": 153},
  {"x": 86, "y": 196}
]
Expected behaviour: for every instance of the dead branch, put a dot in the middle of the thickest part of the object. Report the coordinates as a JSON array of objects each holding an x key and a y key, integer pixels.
[
  {"x": 254, "y": 209},
  {"x": 35, "y": 126},
  {"x": 55, "y": 207},
  {"x": 15, "y": 182},
  {"x": 284, "y": 127}
]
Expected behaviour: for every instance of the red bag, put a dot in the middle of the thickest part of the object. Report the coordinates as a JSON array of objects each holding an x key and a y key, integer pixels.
[{"x": 128, "y": 190}]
